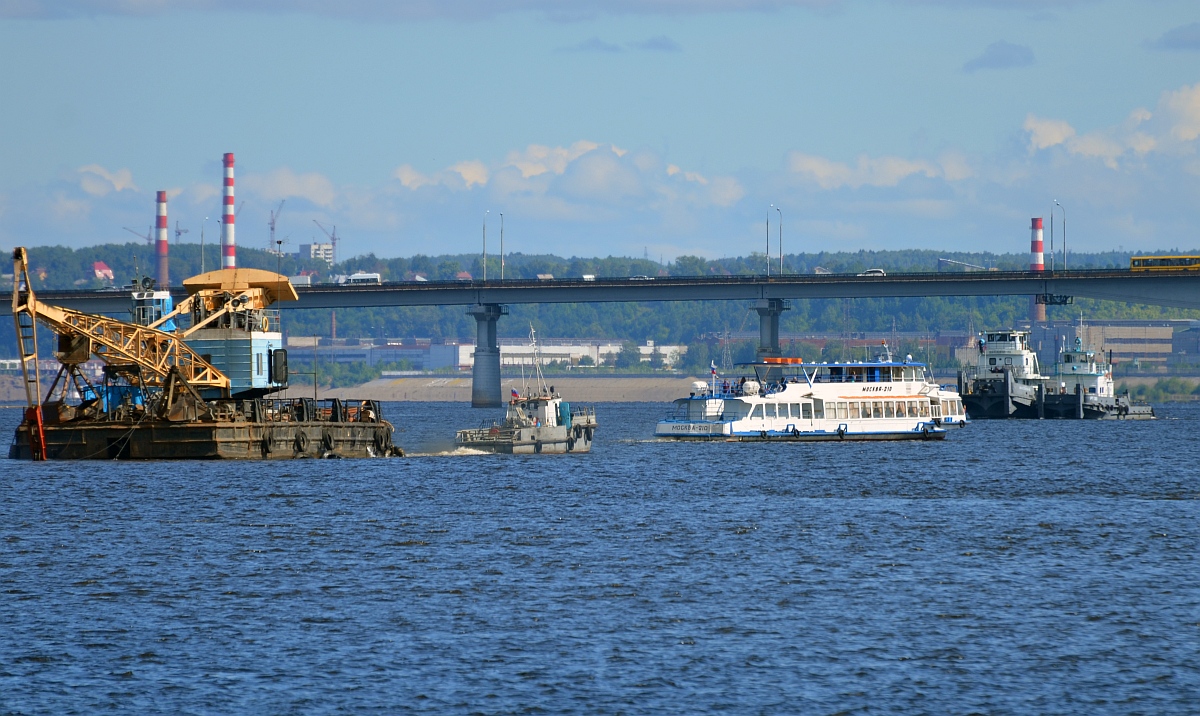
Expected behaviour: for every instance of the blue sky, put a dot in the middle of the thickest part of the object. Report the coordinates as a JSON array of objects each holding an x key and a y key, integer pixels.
[{"x": 605, "y": 126}]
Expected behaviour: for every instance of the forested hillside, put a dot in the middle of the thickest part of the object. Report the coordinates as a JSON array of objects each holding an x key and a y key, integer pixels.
[{"x": 61, "y": 268}]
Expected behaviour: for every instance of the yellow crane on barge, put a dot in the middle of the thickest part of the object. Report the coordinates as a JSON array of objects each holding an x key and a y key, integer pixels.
[{"x": 163, "y": 397}]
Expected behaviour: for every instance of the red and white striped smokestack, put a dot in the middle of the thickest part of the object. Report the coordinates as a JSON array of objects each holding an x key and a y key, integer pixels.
[
  {"x": 1036, "y": 261},
  {"x": 1037, "y": 311},
  {"x": 160, "y": 246},
  {"x": 228, "y": 243}
]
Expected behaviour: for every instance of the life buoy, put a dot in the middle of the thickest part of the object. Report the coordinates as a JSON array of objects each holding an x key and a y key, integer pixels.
[
  {"x": 795, "y": 432},
  {"x": 301, "y": 442},
  {"x": 925, "y": 433},
  {"x": 762, "y": 434},
  {"x": 841, "y": 433}
]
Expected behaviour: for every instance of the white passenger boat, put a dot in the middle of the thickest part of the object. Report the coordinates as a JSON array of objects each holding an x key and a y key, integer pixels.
[{"x": 788, "y": 400}]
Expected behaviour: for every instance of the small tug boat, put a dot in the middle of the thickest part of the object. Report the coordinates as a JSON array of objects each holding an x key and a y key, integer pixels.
[
  {"x": 537, "y": 421},
  {"x": 788, "y": 400},
  {"x": 1006, "y": 382},
  {"x": 186, "y": 382}
]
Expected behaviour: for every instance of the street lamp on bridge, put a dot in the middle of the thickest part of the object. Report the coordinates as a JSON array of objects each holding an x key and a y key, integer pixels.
[{"x": 1064, "y": 212}]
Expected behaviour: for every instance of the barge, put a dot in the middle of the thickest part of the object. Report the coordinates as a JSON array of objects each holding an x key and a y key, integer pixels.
[{"x": 189, "y": 382}]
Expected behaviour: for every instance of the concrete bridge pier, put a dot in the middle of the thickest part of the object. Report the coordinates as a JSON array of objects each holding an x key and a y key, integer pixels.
[
  {"x": 768, "y": 326},
  {"x": 485, "y": 378}
]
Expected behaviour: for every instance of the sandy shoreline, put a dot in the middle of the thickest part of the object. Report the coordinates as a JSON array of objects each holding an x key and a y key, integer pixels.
[{"x": 429, "y": 388}]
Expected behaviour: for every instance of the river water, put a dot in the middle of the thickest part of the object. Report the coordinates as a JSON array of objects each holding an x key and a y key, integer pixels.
[{"x": 1038, "y": 567}]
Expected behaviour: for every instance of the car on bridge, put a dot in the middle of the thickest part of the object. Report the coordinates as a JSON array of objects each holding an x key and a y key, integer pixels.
[{"x": 874, "y": 272}]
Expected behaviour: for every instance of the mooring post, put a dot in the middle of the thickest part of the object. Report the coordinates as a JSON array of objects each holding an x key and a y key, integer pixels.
[
  {"x": 485, "y": 377},
  {"x": 768, "y": 326}
]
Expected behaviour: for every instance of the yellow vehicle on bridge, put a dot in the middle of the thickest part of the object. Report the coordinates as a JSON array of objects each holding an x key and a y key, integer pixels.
[{"x": 1164, "y": 263}]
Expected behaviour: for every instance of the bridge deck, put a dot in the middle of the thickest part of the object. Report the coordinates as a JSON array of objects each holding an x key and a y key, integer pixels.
[{"x": 1178, "y": 288}]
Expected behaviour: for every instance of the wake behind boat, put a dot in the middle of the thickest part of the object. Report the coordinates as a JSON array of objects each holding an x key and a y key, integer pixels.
[{"x": 788, "y": 400}]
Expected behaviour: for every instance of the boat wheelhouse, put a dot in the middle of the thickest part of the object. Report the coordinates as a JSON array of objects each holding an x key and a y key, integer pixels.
[
  {"x": 1006, "y": 382},
  {"x": 788, "y": 400}
]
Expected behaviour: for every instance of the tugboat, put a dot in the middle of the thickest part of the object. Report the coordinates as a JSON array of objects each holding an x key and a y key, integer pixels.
[
  {"x": 537, "y": 421},
  {"x": 790, "y": 401},
  {"x": 1006, "y": 382},
  {"x": 170, "y": 392}
]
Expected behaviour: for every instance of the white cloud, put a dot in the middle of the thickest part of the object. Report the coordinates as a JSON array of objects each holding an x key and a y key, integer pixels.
[
  {"x": 283, "y": 183},
  {"x": 1044, "y": 133},
  {"x": 98, "y": 181},
  {"x": 473, "y": 173},
  {"x": 538, "y": 159},
  {"x": 867, "y": 171},
  {"x": 411, "y": 178},
  {"x": 1171, "y": 129},
  {"x": 1184, "y": 108}
]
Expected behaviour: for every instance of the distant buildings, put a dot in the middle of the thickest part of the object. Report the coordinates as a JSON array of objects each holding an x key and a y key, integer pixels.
[
  {"x": 323, "y": 252},
  {"x": 428, "y": 355}
]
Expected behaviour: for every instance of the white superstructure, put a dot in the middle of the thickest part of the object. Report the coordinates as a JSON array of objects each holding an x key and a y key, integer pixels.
[{"x": 791, "y": 400}]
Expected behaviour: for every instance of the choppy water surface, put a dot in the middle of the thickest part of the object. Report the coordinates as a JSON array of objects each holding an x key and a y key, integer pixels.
[{"x": 1015, "y": 567}]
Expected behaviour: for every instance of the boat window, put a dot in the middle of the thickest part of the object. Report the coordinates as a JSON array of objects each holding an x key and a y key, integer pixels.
[
  {"x": 991, "y": 361},
  {"x": 936, "y": 410},
  {"x": 889, "y": 409},
  {"x": 1008, "y": 361},
  {"x": 877, "y": 409},
  {"x": 1068, "y": 359},
  {"x": 900, "y": 409},
  {"x": 1092, "y": 389},
  {"x": 756, "y": 411},
  {"x": 806, "y": 411},
  {"x": 924, "y": 406},
  {"x": 912, "y": 408},
  {"x": 839, "y": 411},
  {"x": 258, "y": 363},
  {"x": 818, "y": 409},
  {"x": 854, "y": 410},
  {"x": 795, "y": 410}
]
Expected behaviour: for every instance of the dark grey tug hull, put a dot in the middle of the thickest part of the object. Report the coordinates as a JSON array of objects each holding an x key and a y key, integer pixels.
[
  {"x": 529, "y": 441},
  {"x": 1003, "y": 398}
]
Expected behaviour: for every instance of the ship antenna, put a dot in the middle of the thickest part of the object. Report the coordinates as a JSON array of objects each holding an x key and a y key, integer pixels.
[{"x": 537, "y": 361}]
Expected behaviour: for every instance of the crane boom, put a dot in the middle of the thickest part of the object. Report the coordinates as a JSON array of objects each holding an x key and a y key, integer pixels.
[{"x": 117, "y": 342}]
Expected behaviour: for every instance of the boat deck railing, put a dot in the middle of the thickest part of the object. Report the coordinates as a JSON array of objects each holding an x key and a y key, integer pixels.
[{"x": 331, "y": 410}]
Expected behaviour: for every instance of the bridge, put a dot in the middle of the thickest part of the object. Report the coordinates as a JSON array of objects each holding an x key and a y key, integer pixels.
[{"x": 488, "y": 299}]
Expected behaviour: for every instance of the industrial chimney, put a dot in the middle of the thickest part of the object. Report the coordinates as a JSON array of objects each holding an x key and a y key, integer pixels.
[
  {"x": 228, "y": 244},
  {"x": 1037, "y": 311},
  {"x": 160, "y": 246}
]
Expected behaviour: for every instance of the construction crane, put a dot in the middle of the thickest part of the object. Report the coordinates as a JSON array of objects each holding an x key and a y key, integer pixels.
[
  {"x": 178, "y": 232},
  {"x": 333, "y": 237},
  {"x": 271, "y": 245},
  {"x": 969, "y": 267},
  {"x": 148, "y": 236},
  {"x": 156, "y": 357}
]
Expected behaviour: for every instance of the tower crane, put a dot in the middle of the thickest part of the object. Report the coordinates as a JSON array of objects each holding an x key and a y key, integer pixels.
[
  {"x": 333, "y": 237},
  {"x": 271, "y": 245},
  {"x": 178, "y": 232},
  {"x": 148, "y": 236}
]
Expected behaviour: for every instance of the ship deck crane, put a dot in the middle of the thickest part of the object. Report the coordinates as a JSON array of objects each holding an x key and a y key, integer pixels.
[{"x": 152, "y": 358}]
